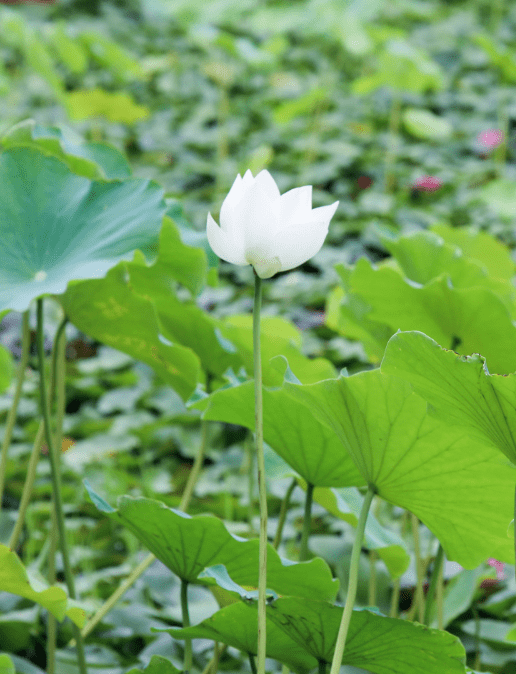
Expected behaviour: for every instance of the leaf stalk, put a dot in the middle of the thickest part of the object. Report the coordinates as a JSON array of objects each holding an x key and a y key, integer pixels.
[{"x": 352, "y": 583}]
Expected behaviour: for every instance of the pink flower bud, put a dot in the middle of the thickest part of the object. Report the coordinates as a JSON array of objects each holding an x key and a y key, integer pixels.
[
  {"x": 427, "y": 184},
  {"x": 490, "y": 138},
  {"x": 500, "y": 575}
]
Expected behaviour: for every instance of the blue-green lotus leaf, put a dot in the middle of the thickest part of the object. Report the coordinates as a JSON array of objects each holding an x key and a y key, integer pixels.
[{"x": 56, "y": 226}]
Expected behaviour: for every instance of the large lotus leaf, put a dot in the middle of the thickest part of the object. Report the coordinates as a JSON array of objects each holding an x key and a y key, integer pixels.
[
  {"x": 459, "y": 389},
  {"x": 56, "y": 226},
  {"x": 92, "y": 160},
  {"x": 237, "y": 625},
  {"x": 278, "y": 337},
  {"x": 422, "y": 256},
  {"x": 374, "y": 642},
  {"x": 482, "y": 247},
  {"x": 187, "y": 545},
  {"x": 456, "y": 486},
  {"x": 469, "y": 320},
  {"x": 302, "y": 441},
  {"x": 109, "y": 310},
  {"x": 14, "y": 579}
]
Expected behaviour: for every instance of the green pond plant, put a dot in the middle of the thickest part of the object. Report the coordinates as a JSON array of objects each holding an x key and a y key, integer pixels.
[{"x": 425, "y": 432}]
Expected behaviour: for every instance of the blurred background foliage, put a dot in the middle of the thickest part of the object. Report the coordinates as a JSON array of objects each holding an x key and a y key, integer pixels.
[
  {"x": 364, "y": 99},
  {"x": 404, "y": 110}
]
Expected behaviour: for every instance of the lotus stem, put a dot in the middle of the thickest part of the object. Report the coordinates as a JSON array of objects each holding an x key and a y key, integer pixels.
[
  {"x": 58, "y": 376},
  {"x": 373, "y": 556},
  {"x": 432, "y": 589},
  {"x": 283, "y": 513},
  {"x": 307, "y": 523},
  {"x": 186, "y": 623},
  {"x": 11, "y": 416},
  {"x": 56, "y": 481},
  {"x": 352, "y": 583},
  {"x": 419, "y": 594},
  {"x": 262, "y": 492}
]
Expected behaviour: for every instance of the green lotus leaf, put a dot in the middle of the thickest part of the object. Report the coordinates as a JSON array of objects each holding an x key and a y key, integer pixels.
[
  {"x": 56, "y": 226},
  {"x": 459, "y": 389},
  {"x": 424, "y": 124},
  {"x": 374, "y": 642},
  {"x": 188, "y": 545},
  {"x": 482, "y": 247},
  {"x": 413, "y": 459},
  {"x": 108, "y": 309},
  {"x": 468, "y": 319},
  {"x": 97, "y": 161},
  {"x": 237, "y": 625},
  {"x": 15, "y": 579}
]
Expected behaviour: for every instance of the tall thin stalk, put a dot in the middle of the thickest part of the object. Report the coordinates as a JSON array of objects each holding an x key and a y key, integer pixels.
[
  {"x": 420, "y": 571},
  {"x": 59, "y": 377},
  {"x": 262, "y": 492},
  {"x": 432, "y": 588},
  {"x": 352, "y": 583},
  {"x": 283, "y": 513},
  {"x": 373, "y": 555},
  {"x": 307, "y": 523},
  {"x": 11, "y": 415},
  {"x": 36, "y": 447},
  {"x": 186, "y": 623},
  {"x": 56, "y": 480}
]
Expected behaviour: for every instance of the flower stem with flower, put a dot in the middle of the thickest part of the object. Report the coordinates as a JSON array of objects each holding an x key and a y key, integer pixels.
[{"x": 273, "y": 233}]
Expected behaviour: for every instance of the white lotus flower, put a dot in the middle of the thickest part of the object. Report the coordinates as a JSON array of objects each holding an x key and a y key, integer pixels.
[{"x": 272, "y": 232}]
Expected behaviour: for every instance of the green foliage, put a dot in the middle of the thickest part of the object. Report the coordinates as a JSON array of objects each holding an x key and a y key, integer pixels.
[
  {"x": 53, "y": 223},
  {"x": 319, "y": 92},
  {"x": 188, "y": 545},
  {"x": 14, "y": 579},
  {"x": 413, "y": 460},
  {"x": 459, "y": 388},
  {"x": 91, "y": 160}
]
